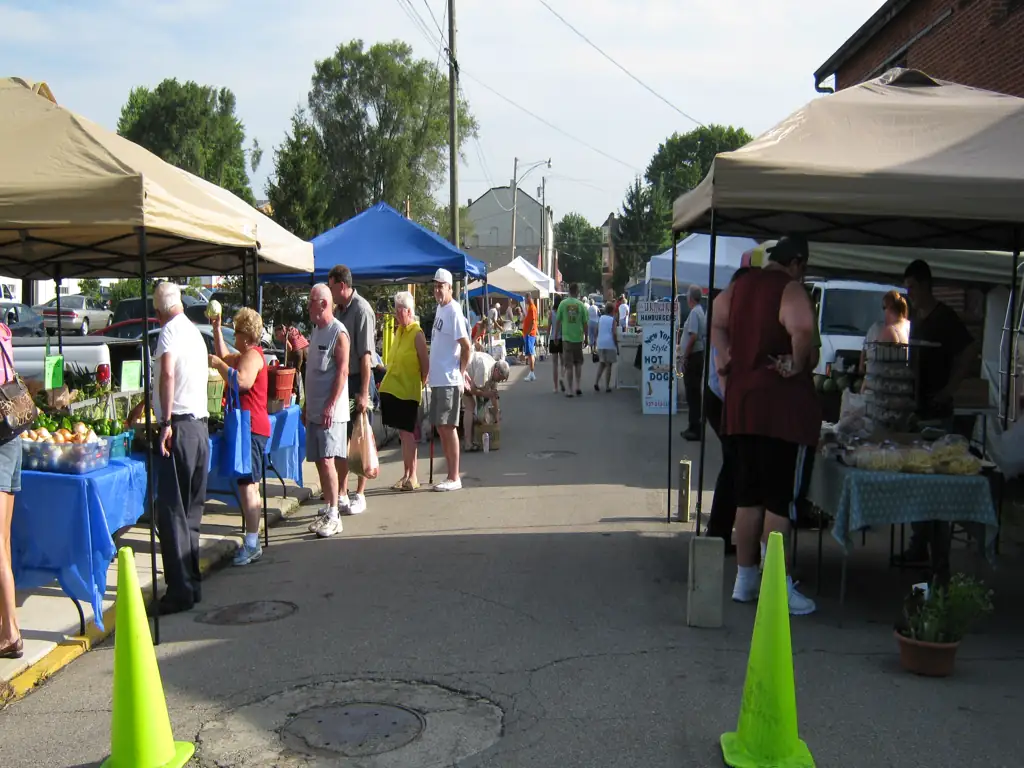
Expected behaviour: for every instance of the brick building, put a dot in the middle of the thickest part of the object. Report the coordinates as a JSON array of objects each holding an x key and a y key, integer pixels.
[{"x": 979, "y": 43}]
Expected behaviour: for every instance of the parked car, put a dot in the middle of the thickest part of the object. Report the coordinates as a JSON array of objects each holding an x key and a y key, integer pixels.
[
  {"x": 77, "y": 313},
  {"x": 21, "y": 319},
  {"x": 131, "y": 309}
]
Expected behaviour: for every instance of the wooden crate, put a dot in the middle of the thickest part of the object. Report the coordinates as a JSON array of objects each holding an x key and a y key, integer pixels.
[{"x": 494, "y": 430}]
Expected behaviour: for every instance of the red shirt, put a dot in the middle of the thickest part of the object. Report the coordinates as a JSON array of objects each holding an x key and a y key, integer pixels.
[
  {"x": 296, "y": 339},
  {"x": 254, "y": 400}
]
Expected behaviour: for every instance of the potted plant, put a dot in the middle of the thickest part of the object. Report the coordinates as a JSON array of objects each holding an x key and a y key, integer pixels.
[{"x": 936, "y": 620}]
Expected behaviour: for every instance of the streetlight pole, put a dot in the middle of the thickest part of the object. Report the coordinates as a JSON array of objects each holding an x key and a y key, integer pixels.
[
  {"x": 544, "y": 245},
  {"x": 453, "y": 122},
  {"x": 515, "y": 199}
]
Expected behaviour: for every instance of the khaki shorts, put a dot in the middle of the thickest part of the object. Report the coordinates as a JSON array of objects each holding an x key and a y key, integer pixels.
[
  {"x": 331, "y": 443},
  {"x": 572, "y": 352},
  {"x": 445, "y": 404}
]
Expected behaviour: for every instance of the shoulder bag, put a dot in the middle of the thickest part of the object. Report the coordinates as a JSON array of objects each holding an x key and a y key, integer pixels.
[{"x": 17, "y": 409}]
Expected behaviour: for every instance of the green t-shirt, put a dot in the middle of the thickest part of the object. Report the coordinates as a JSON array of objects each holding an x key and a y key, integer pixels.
[{"x": 572, "y": 319}]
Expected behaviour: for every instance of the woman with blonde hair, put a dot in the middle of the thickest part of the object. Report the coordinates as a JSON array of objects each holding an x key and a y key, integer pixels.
[
  {"x": 251, "y": 368},
  {"x": 400, "y": 392},
  {"x": 11, "y": 644},
  {"x": 893, "y": 328}
]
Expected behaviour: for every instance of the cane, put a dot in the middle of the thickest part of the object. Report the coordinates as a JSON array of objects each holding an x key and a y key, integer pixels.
[{"x": 431, "y": 455}]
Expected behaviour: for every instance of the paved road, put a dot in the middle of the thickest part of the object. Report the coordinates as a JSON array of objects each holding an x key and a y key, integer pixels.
[{"x": 552, "y": 589}]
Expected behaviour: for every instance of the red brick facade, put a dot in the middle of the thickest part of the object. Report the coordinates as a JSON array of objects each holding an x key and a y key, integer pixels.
[{"x": 979, "y": 43}]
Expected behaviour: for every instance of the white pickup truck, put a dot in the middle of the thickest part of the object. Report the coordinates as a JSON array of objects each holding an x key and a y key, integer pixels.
[{"x": 97, "y": 355}]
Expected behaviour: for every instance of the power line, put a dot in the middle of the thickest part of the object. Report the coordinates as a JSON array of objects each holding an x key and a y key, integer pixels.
[
  {"x": 432, "y": 16},
  {"x": 593, "y": 45}
]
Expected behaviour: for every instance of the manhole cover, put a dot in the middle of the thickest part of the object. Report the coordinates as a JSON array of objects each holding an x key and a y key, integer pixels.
[
  {"x": 354, "y": 730},
  {"x": 256, "y": 612},
  {"x": 542, "y": 455}
]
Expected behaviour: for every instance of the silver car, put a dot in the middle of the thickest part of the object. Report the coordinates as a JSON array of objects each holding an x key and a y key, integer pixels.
[{"x": 77, "y": 314}]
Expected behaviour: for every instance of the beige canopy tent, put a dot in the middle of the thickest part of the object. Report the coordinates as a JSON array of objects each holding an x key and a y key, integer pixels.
[
  {"x": 902, "y": 160},
  {"x": 76, "y": 199},
  {"x": 507, "y": 278}
]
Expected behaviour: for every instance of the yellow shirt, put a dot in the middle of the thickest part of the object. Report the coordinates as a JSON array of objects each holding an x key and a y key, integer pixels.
[{"x": 403, "y": 379}]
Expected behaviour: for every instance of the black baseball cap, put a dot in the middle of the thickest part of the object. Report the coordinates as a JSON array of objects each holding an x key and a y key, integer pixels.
[{"x": 789, "y": 249}]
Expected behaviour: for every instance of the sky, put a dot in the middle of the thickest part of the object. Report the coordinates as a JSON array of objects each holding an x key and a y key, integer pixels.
[{"x": 733, "y": 62}]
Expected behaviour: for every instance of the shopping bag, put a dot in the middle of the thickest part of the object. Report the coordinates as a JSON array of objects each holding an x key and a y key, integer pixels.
[
  {"x": 362, "y": 450},
  {"x": 1009, "y": 450},
  {"x": 236, "y": 452}
]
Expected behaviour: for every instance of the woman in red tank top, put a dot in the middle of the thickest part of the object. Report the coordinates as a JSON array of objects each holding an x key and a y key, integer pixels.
[{"x": 252, "y": 384}]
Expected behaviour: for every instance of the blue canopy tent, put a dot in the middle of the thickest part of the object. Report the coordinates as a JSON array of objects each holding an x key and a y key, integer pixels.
[
  {"x": 380, "y": 245},
  {"x": 493, "y": 290}
]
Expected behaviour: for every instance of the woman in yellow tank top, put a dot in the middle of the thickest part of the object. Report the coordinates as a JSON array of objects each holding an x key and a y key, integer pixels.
[{"x": 408, "y": 364}]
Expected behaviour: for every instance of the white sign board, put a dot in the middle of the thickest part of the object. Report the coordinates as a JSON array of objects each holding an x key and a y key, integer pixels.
[{"x": 657, "y": 379}]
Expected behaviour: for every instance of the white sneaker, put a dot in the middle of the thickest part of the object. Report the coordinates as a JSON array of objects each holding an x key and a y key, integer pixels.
[
  {"x": 799, "y": 604},
  {"x": 356, "y": 504},
  {"x": 318, "y": 521},
  {"x": 331, "y": 526},
  {"x": 449, "y": 485},
  {"x": 531, "y": 376},
  {"x": 344, "y": 502},
  {"x": 746, "y": 588}
]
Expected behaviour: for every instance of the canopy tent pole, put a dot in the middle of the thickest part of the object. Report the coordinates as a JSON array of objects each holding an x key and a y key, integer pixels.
[
  {"x": 147, "y": 398},
  {"x": 257, "y": 289},
  {"x": 57, "y": 280},
  {"x": 1012, "y": 325},
  {"x": 245, "y": 281},
  {"x": 706, "y": 373},
  {"x": 672, "y": 376}
]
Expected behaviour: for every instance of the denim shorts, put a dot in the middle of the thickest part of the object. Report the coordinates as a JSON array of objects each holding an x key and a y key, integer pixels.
[
  {"x": 10, "y": 466},
  {"x": 259, "y": 445}
]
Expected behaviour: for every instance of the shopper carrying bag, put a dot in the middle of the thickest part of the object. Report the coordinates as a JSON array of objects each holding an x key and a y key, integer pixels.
[{"x": 236, "y": 458}]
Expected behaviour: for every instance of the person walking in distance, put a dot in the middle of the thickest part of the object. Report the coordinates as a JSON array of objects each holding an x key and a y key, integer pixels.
[
  {"x": 530, "y": 336},
  {"x": 359, "y": 319},
  {"x": 555, "y": 346},
  {"x": 325, "y": 411},
  {"x": 693, "y": 335},
  {"x": 449, "y": 357},
  {"x": 763, "y": 334},
  {"x": 572, "y": 323},
  {"x": 593, "y": 319},
  {"x": 607, "y": 348},
  {"x": 181, "y": 373}
]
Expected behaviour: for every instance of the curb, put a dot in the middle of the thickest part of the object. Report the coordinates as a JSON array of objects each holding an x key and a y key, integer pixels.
[{"x": 71, "y": 647}]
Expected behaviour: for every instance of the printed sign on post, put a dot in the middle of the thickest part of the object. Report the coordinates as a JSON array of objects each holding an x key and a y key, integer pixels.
[
  {"x": 131, "y": 375},
  {"x": 657, "y": 378},
  {"x": 53, "y": 371}
]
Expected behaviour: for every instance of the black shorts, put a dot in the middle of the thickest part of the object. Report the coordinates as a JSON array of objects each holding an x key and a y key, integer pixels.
[
  {"x": 398, "y": 414},
  {"x": 259, "y": 446},
  {"x": 555, "y": 346},
  {"x": 769, "y": 473}
]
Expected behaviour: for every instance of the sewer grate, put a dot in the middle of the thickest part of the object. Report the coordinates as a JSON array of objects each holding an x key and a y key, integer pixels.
[
  {"x": 544, "y": 455},
  {"x": 256, "y": 612},
  {"x": 358, "y": 729}
]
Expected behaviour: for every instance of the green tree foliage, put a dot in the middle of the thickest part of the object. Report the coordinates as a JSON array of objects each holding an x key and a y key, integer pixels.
[
  {"x": 682, "y": 162},
  {"x": 89, "y": 287},
  {"x": 125, "y": 289},
  {"x": 440, "y": 221},
  {"x": 643, "y": 230},
  {"x": 578, "y": 243},
  {"x": 375, "y": 129},
  {"x": 195, "y": 128}
]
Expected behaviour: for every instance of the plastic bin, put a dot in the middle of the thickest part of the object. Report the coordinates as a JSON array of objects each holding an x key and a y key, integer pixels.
[
  {"x": 280, "y": 382},
  {"x": 66, "y": 458},
  {"x": 121, "y": 445}
]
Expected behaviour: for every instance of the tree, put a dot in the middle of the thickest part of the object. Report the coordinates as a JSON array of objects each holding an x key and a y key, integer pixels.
[
  {"x": 643, "y": 230},
  {"x": 441, "y": 222},
  {"x": 89, "y": 287},
  {"x": 682, "y": 162},
  {"x": 376, "y": 129},
  {"x": 579, "y": 243},
  {"x": 195, "y": 128},
  {"x": 125, "y": 289}
]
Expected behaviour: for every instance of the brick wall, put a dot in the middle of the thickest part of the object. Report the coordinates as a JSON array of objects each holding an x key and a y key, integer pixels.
[{"x": 980, "y": 44}]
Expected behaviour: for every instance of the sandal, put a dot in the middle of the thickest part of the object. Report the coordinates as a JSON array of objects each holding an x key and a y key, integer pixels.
[
  {"x": 400, "y": 485},
  {"x": 13, "y": 651},
  {"x": 409, "y": 485}
]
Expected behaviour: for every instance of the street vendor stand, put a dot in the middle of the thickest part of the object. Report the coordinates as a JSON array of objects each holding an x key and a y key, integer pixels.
[
  {"x": 80, "y": 201},
  {"x": 904, "y": 161}
]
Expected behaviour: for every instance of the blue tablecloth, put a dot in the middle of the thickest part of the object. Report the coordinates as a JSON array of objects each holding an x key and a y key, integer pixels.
[
  {"x": 63, "y": 525},
  {"x": 858, "y": 499},
  {"x": 286, "y": 448}
]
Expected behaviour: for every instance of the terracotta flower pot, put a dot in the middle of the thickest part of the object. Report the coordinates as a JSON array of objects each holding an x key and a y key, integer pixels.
[{"x": 928, "y": 659}]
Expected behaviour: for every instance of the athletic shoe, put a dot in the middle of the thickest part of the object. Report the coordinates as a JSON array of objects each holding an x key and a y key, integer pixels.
[
  {"x": 799, "y": 604},
  {"x": 746, "y": 587},
  {"x": 318, "y": 521},
  {"x": 531, "y": 376},
  {"x": 245, "y": 555},
  {"x": 449, "y": 485},
  {"x": 331, "y": 526},
  {"x": 356, "y": 504}
]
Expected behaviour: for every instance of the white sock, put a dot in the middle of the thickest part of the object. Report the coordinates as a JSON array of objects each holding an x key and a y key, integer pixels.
[
  {"x": 252, "y": 540},
  {"x": 343, "y": 501},
  {"x": 746, "y": 573},
  {"x": 332, "y": 513},
  {"x": 764, "y": 550},
  {"x": 789, "y": 583}
]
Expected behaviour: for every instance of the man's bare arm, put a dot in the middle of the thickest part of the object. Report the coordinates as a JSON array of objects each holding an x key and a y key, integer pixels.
[
  {"x": 720, "y": 327},
  {"x": 796, "y": 314}
]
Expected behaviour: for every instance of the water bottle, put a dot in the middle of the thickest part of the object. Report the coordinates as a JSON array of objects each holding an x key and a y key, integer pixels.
[{"x": 487, "y": 442}]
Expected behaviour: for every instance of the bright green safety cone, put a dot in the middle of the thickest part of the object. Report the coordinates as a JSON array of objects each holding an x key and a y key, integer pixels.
[
  {"x": 766, "y": 735},
  {"x": 140, "y": 734}
]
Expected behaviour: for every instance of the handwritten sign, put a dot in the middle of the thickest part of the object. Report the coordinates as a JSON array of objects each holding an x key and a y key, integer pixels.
[
  {"x": 53, "y": 371},
  {"x": 657, "y": 378},
  {"x": 648, "y": 312},
  {"x": 131, "y": 375}
]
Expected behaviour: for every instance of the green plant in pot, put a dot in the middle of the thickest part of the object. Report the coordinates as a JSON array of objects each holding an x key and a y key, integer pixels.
[{"x": 936, "y": 620}]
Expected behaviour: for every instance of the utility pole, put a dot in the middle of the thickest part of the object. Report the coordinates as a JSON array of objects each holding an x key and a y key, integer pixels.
[
  {"x": 546, "y": 263},
  {"x": 453, "y": 126},
  {"x": 515, "y": 198}
]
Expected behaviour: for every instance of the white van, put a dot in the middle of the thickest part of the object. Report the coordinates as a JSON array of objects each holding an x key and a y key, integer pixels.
[{"x": 846, "y": 309}]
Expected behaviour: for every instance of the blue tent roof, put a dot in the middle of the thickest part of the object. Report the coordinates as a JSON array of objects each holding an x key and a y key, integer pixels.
[
  {"x": 493, "y": 290},
  {"x": 380, "y": 245}
]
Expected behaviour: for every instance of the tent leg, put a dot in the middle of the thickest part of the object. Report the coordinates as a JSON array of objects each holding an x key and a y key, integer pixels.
[
  {"x": 60, "y": 326},
  {"x": 1008, "y": 382},
  {"x": 672, "y": 385},
  {"x": 707, "y": 370},
  {"x": 257, "y": 292},
  {"x": 147, "y": 397},
  {"x": 245, "y": 280}
]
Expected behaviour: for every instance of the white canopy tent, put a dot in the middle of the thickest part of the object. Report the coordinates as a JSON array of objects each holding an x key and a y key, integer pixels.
[
  {"x": 507, "y": 278},
  {"x": 534, "y": 275},
  {"x": 692, "y": 261}
]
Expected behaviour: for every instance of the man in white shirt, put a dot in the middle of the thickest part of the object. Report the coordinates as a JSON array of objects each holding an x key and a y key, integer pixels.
[
  {"x": 694, "y": 334},
  {"x": 181, "y": 373},
  {"x": 449, "y": 356},
  {"x": 593, "y": 315},
  {"x": 624, "y": 312}
]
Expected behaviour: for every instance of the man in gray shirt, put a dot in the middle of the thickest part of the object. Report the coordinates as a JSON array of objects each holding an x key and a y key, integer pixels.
[
  {"x": 694, "y": 333},
  {"x": 360, "y": 321},
  {"x": 325, "y": 409}
]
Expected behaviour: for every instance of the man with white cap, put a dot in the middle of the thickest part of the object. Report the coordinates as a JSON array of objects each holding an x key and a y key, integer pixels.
[{"x": 449, "y": 357}]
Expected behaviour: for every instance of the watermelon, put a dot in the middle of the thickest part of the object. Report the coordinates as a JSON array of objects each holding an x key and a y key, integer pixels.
[
  {"x": 829, "y": 385},
  {"x": 843, "y": 383},
  {"x": 819, "y": 381}
]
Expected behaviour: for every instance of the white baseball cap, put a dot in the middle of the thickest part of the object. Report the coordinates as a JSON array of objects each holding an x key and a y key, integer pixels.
[{"x": 443, "y": 276}]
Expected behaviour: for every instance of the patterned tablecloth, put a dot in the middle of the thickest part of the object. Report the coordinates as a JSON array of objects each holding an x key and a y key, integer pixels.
[{"x": 858, "y": 499}]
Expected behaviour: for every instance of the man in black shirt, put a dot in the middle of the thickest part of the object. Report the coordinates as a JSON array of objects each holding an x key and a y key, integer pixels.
[{"x": 941, "y": 371}]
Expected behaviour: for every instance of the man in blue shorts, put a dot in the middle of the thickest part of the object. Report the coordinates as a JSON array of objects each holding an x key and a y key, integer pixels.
[{"x": 530, "y": 336}]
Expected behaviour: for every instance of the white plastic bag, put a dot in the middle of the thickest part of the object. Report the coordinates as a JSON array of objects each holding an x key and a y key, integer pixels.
[
  {"x": 853, "y": 405},
  {"x": 1010, "y": 450}
]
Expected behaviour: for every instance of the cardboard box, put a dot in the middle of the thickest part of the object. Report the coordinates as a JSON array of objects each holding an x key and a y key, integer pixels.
[
  {"x": 275, "y": 406},
  {"x": 494, "y": 430}
]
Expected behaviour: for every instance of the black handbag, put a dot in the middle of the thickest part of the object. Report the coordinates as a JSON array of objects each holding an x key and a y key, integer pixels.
[
  {"x": 17, "y": 409},
  {"x": 594, "y": 357}
]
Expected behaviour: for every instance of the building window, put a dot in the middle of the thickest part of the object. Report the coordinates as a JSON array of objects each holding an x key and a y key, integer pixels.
[
  {"x": 606, "y": 259},
  {"x": 64, "y": 290}
]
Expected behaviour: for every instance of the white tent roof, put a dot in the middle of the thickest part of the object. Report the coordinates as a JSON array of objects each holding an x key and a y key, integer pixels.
[
  {"x": 531, "y": 273},
  {"x": 902, "y": 160},
  {"x": 509, "y": 279},
  {"x": 693, "y": 255}
]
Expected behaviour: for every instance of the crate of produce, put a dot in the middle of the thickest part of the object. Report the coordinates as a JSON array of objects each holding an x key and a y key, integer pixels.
[
  {"x": 215, "y": 393},
  {"x": 121, "y": 445},
  {"x": 45, "y": 453}
]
